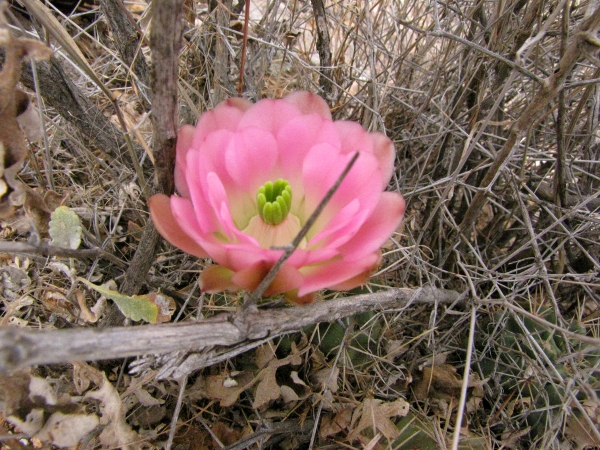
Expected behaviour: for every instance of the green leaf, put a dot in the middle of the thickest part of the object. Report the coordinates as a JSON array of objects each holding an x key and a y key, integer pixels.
[
  {"x": 151, "y": 308},
  {"x": 65, "y": 228}
]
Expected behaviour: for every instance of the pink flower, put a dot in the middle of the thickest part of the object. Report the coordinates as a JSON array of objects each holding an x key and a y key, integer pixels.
[{"x": 249, "y": 176}]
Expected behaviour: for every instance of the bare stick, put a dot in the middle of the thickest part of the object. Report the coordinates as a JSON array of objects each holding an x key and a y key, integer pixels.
[
  {"x": 323, "y": 47},
  {"x": 485, "y": 51},
  {"x": 253, "y": 297},
  {"x": 20, "y": 347},
  {"x": 50, "y": 250},
  {"x": 244, "y": 47},
  {"x": 165, "y": 40}
]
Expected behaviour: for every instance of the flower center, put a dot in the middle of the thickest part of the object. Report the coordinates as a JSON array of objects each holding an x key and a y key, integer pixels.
[{"x": 274, "y": 201}]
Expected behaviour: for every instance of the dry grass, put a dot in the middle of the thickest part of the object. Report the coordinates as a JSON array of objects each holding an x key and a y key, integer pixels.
[{"x": 445, "y": 81}]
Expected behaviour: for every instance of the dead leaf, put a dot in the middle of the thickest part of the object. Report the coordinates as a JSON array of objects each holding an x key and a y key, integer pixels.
[
  {"x": 441, "y": 383},
  {"x": 263, "y": 355},
  {"x": 333, "y": 424},
  {"x": 91, "y": 315},
  {"x": 57, "y": 303},
  {"x": 225, "y": 434},
  {"x": 67, "y": 430},
  {"x": 31, "y": 123},
  {"x": 327, "y": 377},
  {"x": 288, "y": 394},
  {"x": 37, "y": 211},
  {"x": 117, "y": 433},
  {"x": 33, "y": 406},
  {"x": 148, "y": 417},
  {"x": 13, "y": 102},
  {"x": 215, "y": 389},
  {"x": 577, "y": 428},
  {"x": 146, "y": 399},
  {"x": 436, "y": 379},
  {"x": 268, "y": 389},
  {"x": 376, "y": 414}
]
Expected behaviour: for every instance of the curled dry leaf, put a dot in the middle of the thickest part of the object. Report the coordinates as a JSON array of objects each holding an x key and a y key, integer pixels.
[
  {"x": 117, "y": 433},
  {"x": 67, "y": 430},
  {"x": 33, "y": 406},
  {"x": 326, "y": 378},
  {"x": 268, "y": 389},
  {"x": 13, "y": 103},
  {"x": 91, "y": 315},
  {"x": 227, "y": 387}
]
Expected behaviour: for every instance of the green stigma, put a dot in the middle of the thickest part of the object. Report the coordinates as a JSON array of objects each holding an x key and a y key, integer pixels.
[{"x": 274, "y": 201}]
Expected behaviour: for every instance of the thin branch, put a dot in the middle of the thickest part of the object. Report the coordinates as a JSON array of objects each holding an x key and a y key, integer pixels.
[
  {"x": 20, "y": 347},
  {"x": 583, "y": 41},
  {"x": 323, "y": 47},
  {"x": 165, "y": 41},
  {"x": 244, "y": 48},
  {"x": 485, "y": 51},
  {"x": 50, "y": 250}
]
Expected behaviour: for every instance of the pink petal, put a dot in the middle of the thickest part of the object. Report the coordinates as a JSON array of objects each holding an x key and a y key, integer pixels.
[
  {"x": 287, "y": 279},
  {"x": 216, "y": 278},
  {"x": 320, "y": 172},
  {"x": 359, "y": 279},
  {"x": 333, "y": 273},
  {"x": 226, "y": 116},
  {"x": 169, "y": 228},
  {"x": 270, "y": 115},
  {"x": 354, "y": 137},
  {"x": 184, "y": 143},
  {"x": 295, "y": 139},
  {"x": 302, "y": 257},
  {"x": 384, "y": 151},
  {"x": 342, "y": 223},
  {"x": 377, "y": 229},
  {"x": 242, "y": 256},
  {"x": 219, "y": 202},
  {"x": 209, "y": 156},
  {"x": 318, "y": 165},
  {"x": 200, "y": 213},
  {"x": 212, "y": 243},
  {"x": 251, "y": 157},
  {"x": 309, "y": 103}
]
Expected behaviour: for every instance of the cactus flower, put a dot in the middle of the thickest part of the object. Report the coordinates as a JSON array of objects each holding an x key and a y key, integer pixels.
[{"x": 248, "y": 177}]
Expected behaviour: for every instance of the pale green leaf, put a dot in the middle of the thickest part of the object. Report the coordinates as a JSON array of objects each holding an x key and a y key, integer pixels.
[
  {"x": 151, "y": 308},
  {"x": 65, "y": 228}
]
